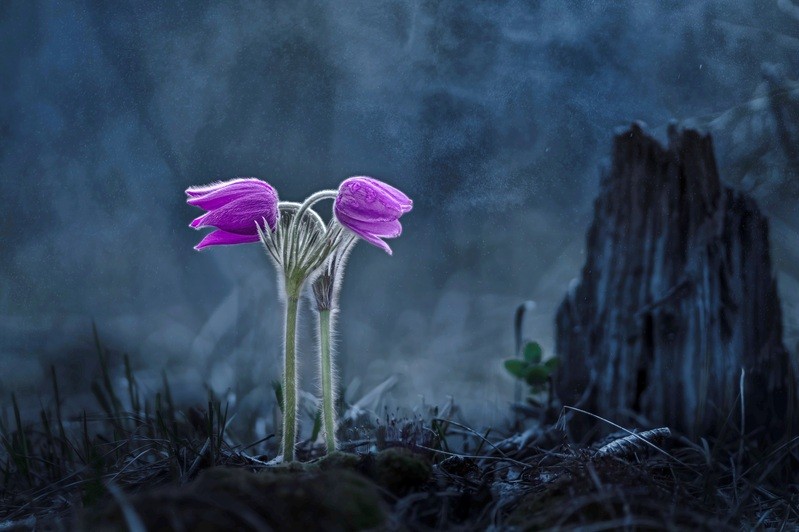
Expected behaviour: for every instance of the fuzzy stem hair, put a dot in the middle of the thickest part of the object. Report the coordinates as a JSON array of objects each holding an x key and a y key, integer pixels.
[
  {"x": 328, "y": 376},
  {"x": 290, "y": 372},
  {"x": 325, "y": 289}
]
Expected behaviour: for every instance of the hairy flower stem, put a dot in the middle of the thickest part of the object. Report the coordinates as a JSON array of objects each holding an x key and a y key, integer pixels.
[
  {"x": 326, "y": 371},
  {"x": 298, "y": 246},
  {"x": 325, "y": 290},
  {"x": 290, "y": 372}
]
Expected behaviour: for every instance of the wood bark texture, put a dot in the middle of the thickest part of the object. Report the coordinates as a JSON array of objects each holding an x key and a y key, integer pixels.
[{"x": 676, "y": 297}]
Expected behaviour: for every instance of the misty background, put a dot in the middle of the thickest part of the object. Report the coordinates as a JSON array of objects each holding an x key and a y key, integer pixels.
[{"x": 494, "y": 117}]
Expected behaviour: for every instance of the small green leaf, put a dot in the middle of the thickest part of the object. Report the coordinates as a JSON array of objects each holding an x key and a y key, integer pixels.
[
  {"x": 517, "y": 368},
  {"x": 532, "y": 352},
  {"x": 552, "y": 364},
  {"x": 536, "y": 375}
]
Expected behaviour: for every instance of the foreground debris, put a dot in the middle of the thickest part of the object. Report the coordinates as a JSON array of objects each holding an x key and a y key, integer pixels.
[{"x": 149, "y": 466}]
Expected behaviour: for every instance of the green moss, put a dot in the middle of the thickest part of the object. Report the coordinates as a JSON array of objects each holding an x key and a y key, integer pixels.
[
  {"x": 291, "y": 468},
  {"x": 401, "y": 471},
  {"x": 230, "y": 498},
  {"x": 340, "y": 460}
]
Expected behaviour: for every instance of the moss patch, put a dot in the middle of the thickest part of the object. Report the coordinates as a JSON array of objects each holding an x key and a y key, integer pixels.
[{"x": 233, "y": 499}]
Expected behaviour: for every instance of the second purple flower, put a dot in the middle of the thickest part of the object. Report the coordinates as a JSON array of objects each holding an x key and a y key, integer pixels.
[{"x": 371, "y": 209}]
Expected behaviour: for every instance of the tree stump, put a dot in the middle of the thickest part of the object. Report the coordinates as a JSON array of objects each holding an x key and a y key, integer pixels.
[{"x": 676, "y": 298}]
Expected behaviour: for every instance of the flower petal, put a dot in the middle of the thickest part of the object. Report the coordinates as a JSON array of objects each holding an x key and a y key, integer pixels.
[
  {"x": 372, "y": 232},
  {"x": 240, "y": 215},
  {"x": 199, "y": 221},
  {"x": 375, "y": 241},
  {"x": 205, "y": 189},
  {"x": 405, "y": 203},
  {"x": 389, "y": 229},
  {"x": 362, "y": 200},
  {"x": 222, "y": 195},
  {"x": 223, "y": 238}
]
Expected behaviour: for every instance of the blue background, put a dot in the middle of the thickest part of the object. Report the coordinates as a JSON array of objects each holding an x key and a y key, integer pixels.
[{"x": 494, "y": 117}]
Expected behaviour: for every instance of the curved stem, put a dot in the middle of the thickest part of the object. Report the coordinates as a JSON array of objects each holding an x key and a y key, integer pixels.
[
  {"x": 303, "y": 208},
  {"x": 290, "y": 372},
  {"x": 326, "y": 371},
  {"x": 308, "y": 203},
  {"x": 349, "y": 241}
]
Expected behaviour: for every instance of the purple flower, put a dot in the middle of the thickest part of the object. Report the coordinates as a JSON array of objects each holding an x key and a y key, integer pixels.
[
  {"x": 234, "y": 207},
  {"x": 371, "y": 209}
]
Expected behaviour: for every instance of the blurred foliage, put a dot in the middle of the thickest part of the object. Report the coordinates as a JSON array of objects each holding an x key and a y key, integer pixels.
[{"x": 532, "y": 369}]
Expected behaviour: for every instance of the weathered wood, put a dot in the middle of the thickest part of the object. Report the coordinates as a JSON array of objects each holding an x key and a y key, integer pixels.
[{"x": 676, "y": 297}]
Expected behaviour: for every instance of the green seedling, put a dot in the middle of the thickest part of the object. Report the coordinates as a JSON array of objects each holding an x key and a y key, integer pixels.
[{"x": 533, "y": 370}]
